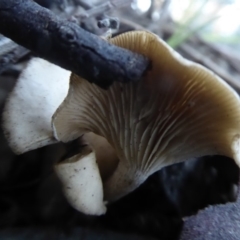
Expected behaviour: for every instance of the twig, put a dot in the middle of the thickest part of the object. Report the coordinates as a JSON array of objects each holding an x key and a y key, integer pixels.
[
  {"x": 6, "y": 45},
  {"x": 104, "y": 7},
  {"x": 10, "y": 52},
  {"x": 67, "y": 45}
]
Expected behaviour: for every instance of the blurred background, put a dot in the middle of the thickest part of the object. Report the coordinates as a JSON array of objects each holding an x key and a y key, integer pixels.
[{"x": 167, "y": 205}]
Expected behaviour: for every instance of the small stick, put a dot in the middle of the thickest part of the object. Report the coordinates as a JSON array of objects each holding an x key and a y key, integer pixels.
[{"x": 65, "y": 44}]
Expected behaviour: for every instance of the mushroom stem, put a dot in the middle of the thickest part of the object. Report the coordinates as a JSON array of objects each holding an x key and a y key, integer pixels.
[{"x": 124, "y": 180}]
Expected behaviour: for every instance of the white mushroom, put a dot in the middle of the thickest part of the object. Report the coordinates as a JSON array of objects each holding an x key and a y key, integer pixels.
[
  {"x": 39, "y": 90},
  {"x": 82, "y": 174},
  {"x": 177, "y": 111},
  {"x": 106, "y": 157},
  {"x": 82, "y": 182}
]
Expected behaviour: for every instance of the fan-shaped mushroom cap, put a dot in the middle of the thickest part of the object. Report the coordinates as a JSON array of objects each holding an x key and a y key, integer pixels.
[
  {"x": 82, "y": 183},
  {"x": 177, "y": 111},
  {"x": 39, "y": 90}
]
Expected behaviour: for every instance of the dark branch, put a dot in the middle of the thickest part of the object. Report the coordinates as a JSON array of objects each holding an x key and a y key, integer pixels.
[{"x": 67, "y": 45}]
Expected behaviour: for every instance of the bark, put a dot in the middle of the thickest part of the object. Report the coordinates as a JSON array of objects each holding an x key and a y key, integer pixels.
[{"x": 65, "y": 44}]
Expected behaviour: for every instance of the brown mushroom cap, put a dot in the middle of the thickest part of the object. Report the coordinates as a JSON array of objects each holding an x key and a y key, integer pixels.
[{"x": 177, "y": 111}]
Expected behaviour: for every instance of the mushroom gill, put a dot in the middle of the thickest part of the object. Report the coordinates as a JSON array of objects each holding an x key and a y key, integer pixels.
[{"x": 177, "y": 111}]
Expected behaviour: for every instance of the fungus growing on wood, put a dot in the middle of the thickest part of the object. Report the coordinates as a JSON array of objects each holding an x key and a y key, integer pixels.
[
  {"x": 177, "y": 111},
  {"x": 27, "y": 117}
]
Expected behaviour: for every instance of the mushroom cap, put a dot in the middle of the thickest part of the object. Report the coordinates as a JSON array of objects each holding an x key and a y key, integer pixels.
[
  {"x": 82, "y": 183},
  {"x": 38, "y": 92},
  {"x": 177, "y": 111}
]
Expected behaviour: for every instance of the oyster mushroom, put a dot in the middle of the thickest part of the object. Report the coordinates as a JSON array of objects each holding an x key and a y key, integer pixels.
[
  {"x": 82, "y": 174},
  {"x": 39, "y": 90},
  {"x": 177, "y": 111},
  {"x": 82, "y": 184},
  {"x": 27, "y": 116}
]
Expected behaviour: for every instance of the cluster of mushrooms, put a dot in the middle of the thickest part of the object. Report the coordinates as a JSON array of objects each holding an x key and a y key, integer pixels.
[{"x": 177, "y": 111}]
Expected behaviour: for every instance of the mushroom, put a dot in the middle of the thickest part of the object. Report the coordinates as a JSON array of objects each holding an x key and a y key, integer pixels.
[
  {"x": 179, "y": 110},
  {"x": 39, "y": 90},
  {"x": 82, "y": 183},
  {"x": 82, "y": 174}
]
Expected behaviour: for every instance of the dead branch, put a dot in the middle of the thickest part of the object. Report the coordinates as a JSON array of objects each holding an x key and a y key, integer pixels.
[{"x": 66, "y": 44}]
